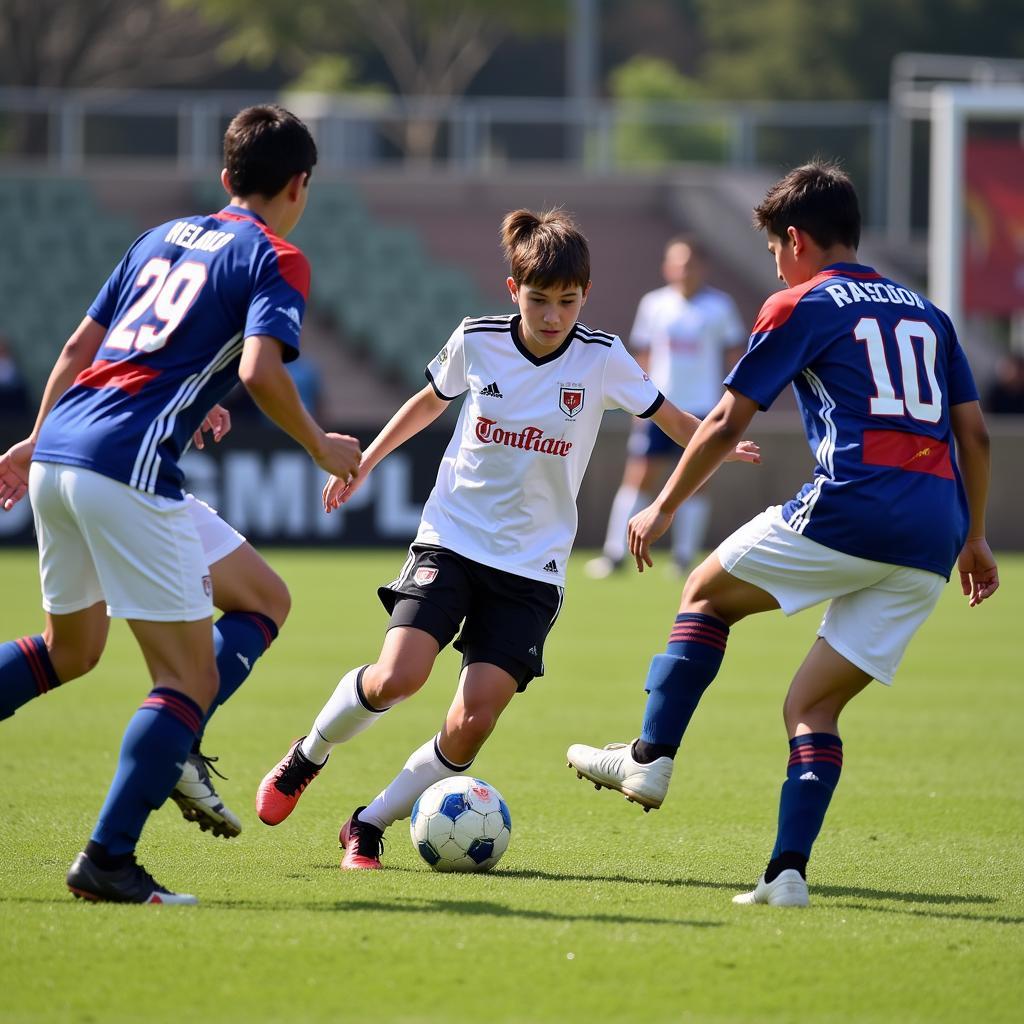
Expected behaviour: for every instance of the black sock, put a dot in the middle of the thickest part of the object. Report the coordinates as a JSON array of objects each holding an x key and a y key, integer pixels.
[
  {"x": 784, "y": 862},
  {"x": 102, "y": 858},
  {"x": 645, "y": 753}
]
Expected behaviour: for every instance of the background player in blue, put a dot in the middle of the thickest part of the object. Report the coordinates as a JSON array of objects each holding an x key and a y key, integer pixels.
[
  {"x": 884, "y": 390},
  {"x": 193, "y": 306}
]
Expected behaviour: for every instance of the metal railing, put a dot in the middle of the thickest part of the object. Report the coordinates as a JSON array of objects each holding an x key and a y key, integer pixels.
[{"x": 69, "y": 130}]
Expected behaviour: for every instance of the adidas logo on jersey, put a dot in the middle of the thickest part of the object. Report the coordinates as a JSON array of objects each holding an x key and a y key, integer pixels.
[
  {"x": 551, "y": 566},
  {"x": 491, "y": 391}
]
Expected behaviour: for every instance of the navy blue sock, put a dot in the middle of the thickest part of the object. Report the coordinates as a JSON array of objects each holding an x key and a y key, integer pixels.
[
  {"x": 815, "y": 763},
  {"x": 155, "y": 745},
  {"x": 239, "y": 638},
  {"x": 677, "y": 679},
  {"x": 25, "y": 672}
]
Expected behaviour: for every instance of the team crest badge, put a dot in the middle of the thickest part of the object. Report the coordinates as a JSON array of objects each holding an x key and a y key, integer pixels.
[
  {"x": 570, "y": 399},
  {"x": 423, "y": 575},
  {"x": 442, "y": 356}
]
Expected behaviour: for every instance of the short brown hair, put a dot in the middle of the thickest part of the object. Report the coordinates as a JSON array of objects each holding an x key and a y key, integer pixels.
[
  {"x": 545, "y": 249},
  {"x": 818, "y": 198},
  {"x": 264, "y": 147}
]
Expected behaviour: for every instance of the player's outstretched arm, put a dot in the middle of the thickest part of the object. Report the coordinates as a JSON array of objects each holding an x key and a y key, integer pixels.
[
  {"x": 417, "y": 413},
  {"x": 681, "y": 426},
  {"x": 979, "y": 575},
  {"x": 716, "y": 438},
  {"x": 262, "y": 372}
]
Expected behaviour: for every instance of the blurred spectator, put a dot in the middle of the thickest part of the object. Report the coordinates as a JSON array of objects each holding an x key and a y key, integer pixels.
[
  {"x": 1006, "y": 394},
  {"x": 14, "y": 397}
]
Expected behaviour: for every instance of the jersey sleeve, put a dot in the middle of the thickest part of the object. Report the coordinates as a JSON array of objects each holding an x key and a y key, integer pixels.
[
  {"x": 447, "y": 370},
  {"x": 781, "y": 346},
  {"x": 960, "y": 384},
  {"x": 626, "y": 386},
  {"x": 104, "y": 306},
  {"x": 278, "y": 302}
]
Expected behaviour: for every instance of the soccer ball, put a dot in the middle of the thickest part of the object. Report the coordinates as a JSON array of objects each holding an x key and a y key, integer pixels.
[{"x": 460, "y": 824}]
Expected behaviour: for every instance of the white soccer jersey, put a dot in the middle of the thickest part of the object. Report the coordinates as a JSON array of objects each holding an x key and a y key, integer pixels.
[
  {"x": 685, "y": 338},
  {"x": 506, "y": 488}
]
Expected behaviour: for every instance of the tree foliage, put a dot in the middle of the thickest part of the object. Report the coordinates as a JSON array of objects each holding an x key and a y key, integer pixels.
[{"x": 430, "y": 47}]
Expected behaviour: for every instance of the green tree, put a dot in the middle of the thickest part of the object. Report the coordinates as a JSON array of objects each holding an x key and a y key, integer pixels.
[
  {"x": 430, "y": 47},
  {"x": 643, "y": 87}
]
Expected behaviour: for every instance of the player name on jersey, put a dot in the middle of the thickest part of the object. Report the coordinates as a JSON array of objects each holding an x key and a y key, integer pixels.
[
  {"x": 530, "y": 439},
  {"x": 194, "y": 236},
  {"x": 872, "y": 291}
]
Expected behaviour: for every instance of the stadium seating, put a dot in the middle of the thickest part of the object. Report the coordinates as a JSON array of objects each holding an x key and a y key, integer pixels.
[{"x": 65, "y": 247}]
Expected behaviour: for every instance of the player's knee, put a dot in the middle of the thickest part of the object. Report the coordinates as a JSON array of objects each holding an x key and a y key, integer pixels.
[
  {"x": 472, "y": 725},
  {"x": 277, "y": 600},
  {"x": 73, "y": 662},
  {"x": 386, "y": 685}
]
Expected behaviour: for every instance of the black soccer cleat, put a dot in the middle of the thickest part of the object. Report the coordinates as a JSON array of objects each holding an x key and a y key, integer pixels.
[{"x": 129, "y": 884}]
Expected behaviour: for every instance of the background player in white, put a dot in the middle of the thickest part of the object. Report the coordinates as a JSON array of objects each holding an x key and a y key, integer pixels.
[
  {"x": 498, "y": 527},
  {"x": 193, "y": 306},
  {"x": 686, "y": 335},
  {"x": 885, "y": 390}
]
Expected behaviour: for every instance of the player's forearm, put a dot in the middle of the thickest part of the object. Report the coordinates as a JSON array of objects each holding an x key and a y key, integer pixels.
[
  {"x": 679, "y": 425},
  {"x": 973, "y": 460},
  {"x": 972, "y": 456},
  {"x": 415, "y": 415},
  {"x": 274, "y": 391}
]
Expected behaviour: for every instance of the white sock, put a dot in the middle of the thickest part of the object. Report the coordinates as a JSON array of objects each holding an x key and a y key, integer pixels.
[
  {"x": 689, "y": 527},
  {"x": 342, "y": 717},
  {"x": 425, "y": 766},
  {"x": 628, "y": 501}
]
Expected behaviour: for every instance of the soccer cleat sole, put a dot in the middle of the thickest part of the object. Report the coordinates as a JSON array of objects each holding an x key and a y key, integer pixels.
[
  {"x": 206, "y": 821},
  {"x": 634, "y": 798}
]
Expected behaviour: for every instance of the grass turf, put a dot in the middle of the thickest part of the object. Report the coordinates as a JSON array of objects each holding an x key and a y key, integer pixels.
[{"x": 598, "y": 912}]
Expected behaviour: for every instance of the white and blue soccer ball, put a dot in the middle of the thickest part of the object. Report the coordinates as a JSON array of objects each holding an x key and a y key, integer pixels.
[{"x": 461, "y": 824}]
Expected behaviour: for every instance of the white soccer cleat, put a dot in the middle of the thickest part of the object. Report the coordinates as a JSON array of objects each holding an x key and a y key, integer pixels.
[
  {"x": 198, "y": 800},
  {"x": 787, "y": 889},
  {"x": 613, "y": 766}
]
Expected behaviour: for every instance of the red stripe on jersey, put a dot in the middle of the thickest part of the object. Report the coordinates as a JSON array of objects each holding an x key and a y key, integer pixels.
[
  {"x": 292, "y": 264},
  {"x": 122, "y": 374},
  {"x": 912, "y": 452}
]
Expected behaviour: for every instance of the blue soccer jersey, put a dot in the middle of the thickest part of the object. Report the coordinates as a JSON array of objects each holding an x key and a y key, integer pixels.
[
  {"x": 177, "y": 309},
  {"x": 875, "y": 368}
]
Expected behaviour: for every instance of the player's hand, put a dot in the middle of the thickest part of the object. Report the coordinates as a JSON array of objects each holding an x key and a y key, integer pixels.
[
  {"x": 217, "y": 422},
  {"x": 338, "y": 491},
  {"x": 340, "y": 456},
  {"x": 644, "y": 529},
  {"x": 745, "y": 451},
  {"x": 979, "y": 575},
  {"x": 14, "y": 465}
]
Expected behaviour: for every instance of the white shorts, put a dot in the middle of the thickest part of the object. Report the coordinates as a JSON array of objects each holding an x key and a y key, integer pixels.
[
  {"x": 875, "y": 609},
  {"x": 218, "y": 538},
  {"x": 101, "y": 540}
]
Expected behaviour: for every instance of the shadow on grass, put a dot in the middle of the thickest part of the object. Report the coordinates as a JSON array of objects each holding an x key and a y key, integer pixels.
[
  {"x": 856, "y": 892},
  {"x": 469, "y": 908}
]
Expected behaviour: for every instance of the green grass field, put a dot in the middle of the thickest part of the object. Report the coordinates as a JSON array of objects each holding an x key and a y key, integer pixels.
[{"x": 598, "y": 912}]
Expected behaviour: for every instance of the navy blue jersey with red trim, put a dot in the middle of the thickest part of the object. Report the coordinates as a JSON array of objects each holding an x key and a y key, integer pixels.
[
  {"x": 177, "y": 309},
  {"x": 875, "y": 368}
]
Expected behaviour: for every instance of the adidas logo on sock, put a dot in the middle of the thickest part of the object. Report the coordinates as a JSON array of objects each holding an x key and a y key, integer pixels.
[
  {"x": 809, "y": 777},
  {"x": 551, "y": 566},
  {"x": 491, "y": 391},
  {"x": 244, "y": 660}
]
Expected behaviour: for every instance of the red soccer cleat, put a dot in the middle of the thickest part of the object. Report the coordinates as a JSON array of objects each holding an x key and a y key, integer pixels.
[
  {"x": 282, "y": 786},
  {"x": 362, "y": 842}
]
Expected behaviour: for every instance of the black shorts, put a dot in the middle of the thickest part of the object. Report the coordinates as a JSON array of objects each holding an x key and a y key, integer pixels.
[{"x": 505, "y": 618}]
